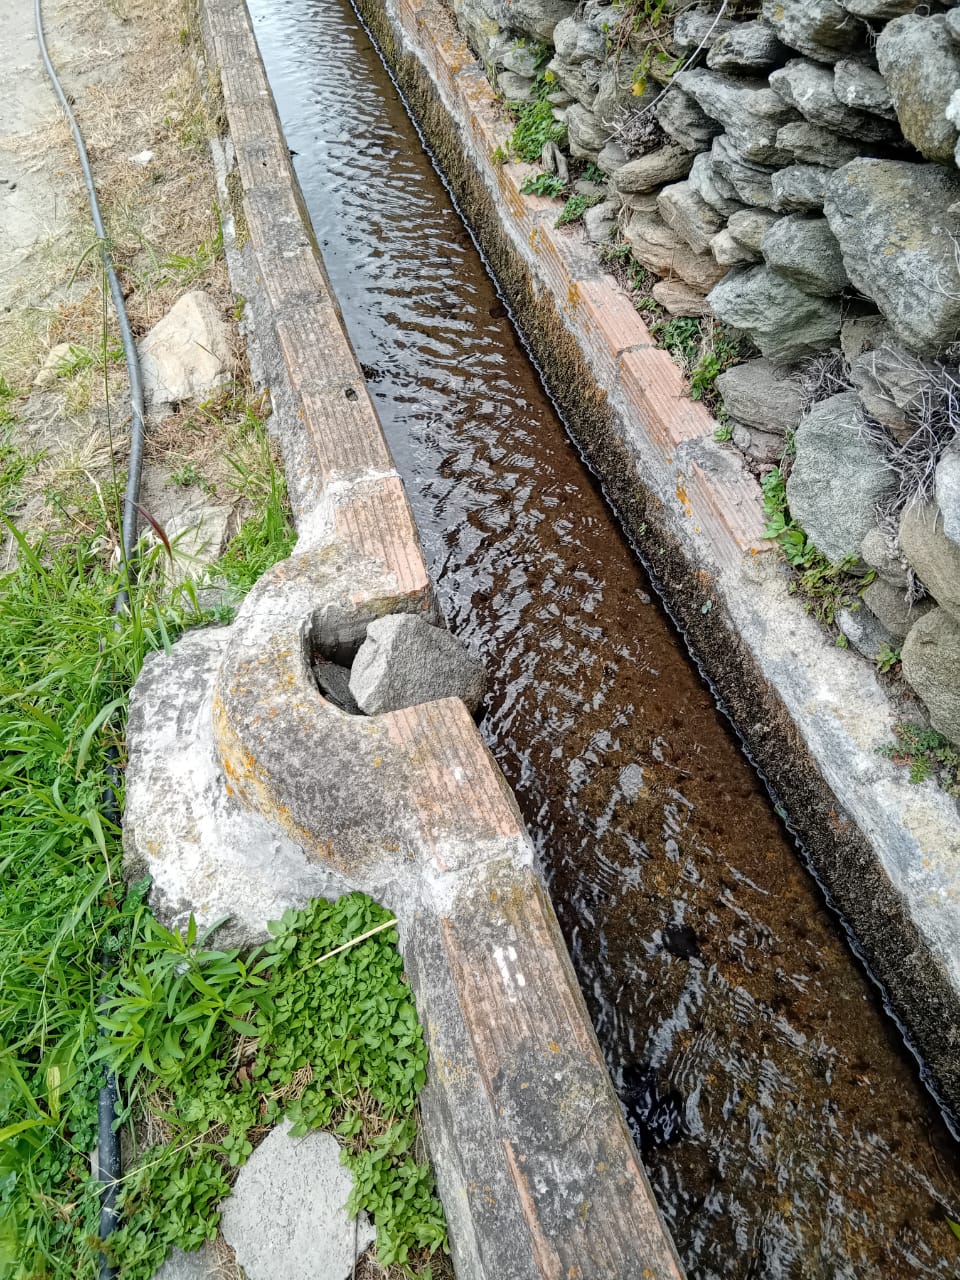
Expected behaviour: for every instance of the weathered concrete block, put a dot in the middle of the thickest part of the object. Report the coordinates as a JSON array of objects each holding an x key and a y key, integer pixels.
[{"x": 405, "y": 661}]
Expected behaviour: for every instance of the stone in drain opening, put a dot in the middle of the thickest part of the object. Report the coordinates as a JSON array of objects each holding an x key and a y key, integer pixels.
[
  {"x": 333, "y": 682},
  {"x": 405, "y": 661}
]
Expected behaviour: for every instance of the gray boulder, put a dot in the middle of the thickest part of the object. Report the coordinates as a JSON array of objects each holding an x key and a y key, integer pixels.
[
  {"x": 749, "y": 111},
  {"x": 536, "y": 18},
  {"x": 760, "y": 395},
  {"x": 890, "y": 383},
  {"x": 890, "y": 606},
  {"x": 698, "y": 29},
  {"x": 581, "y": 79},
  {"x": 783, "y": 321},
  {"x": 680, "y": 299},
  {"x": 799, "y": 188},
  {"x": 749, "y": 47},
  {"x": 812, "y": 144},
  {"x": 479, "y": 22},
  {"x": 659, "y": 248},
  {"x": 931, "y": 663},
  {"x": 750, "y": 182},
  {"x": 516, "y": 88},
  {"x": 953, "y": 25},
  {"x": 729, "y": 252},
  {"x": 838, "y": 477},
  {"x": 684, "y": 121},
  {"x": 822, "y": 29},
  {"x": 932, "y": 555},
  {"x": 186, "y": 355},
  {"x": 405, "y": 661},
  {"x": 805, "y": 250},
  {"x": 666, "y": 164},
  {"x": 706, "y": 180},
  {"x": 809, "y": 88},
  {"x": 862, "y": 333},
  {"x": 611, "y": 158},
  {"x": 879, "y": 9},
  {"x": 760, "y": 446},
  {"x": 859, "y": 86},
  {"x": 599, "y": 222},
  {"x": 576, "y": 42},
  {"x": 585, "y": 134},
  {"x": 948, "y": 490},
  {"x": 749, "y": 226},
  {"x": 899, "y": 244},
  {"x": 865, "y": 633},
  {"x": 879, "y": 553},
  {"x": 921, "y": 65},
  {"x": 615, "y": 93},
  {"x": 285, "y": 1217},
  {"x": 686, "y": 213},
  {"x": 522, "y": 59}
]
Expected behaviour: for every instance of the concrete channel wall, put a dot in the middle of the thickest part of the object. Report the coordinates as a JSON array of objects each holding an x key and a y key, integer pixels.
[
  {"x": 247, "y": 791},
  {"x": 812, "y": 715}
]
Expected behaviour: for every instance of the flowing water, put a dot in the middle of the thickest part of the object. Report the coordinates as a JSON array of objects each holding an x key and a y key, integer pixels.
[{"x": 782, "y": 1123}]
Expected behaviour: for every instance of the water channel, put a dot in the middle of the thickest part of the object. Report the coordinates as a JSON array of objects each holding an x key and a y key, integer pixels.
[{"x": 782, "y": 1123}]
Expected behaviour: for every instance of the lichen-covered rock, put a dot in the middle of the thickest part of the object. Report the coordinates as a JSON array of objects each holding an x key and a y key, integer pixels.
[
  {"x": 813, "y": 144},
  {"x": 751, "y": 183},
  {"x": 749, "y": 110},
  {"x": 931, "y": 663},
  {"x": 838, "y": 477},
  {"x": 822, "y": 29},
  {"x": 661, "y": 250},
  {"x": 783, "y": 321},
  {"x": 933, "y": 556},
  {"x": 522, "y": 59},
  {"x": 860, "y": 86},
  {"x": 879, "y": 9},
  {"x": 686, "y": 213},
  {"x": 892, "y": 609},
  {"x": 585, "y": 134},
  {"x": 809, "y": 88},
  {"x": 615, "y": 93},
  {"x": 759, "y": 394},
  {"x": 729, "y": 252},
  {"x": 710, "y": 185},
  {"x": 948, "y": 490},
  {"x": 761, "y": 446},
  {"x": 536, "y": 18},
  {"x": 666, "y": 164},
  {"x": 862, "y": 333},
  {"x": 479, "y": 22},
  {"x": 680, "y": 299},
  {"x": 684, "y": 121},
  {"x": 749, "y": 226},
  {"x": 899, "y": 244},
  {"x": 749, "y": 47},
  {"x": 799, "y": 188},
  {"x": 921, "y": 65},
  {"x": 890, "y": 383},
  {"x": 805, "y": 250},
  {"x": 865, "y": 633}
]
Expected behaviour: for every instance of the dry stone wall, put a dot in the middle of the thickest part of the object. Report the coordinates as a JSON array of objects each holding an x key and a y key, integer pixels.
[{"x": 792, "y": 170}]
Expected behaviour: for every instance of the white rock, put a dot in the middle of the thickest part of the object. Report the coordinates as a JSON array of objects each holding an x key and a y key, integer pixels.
[
  {"x": 50, "y": 368},
  {"x": 285, "y": 1218},
  {"x": 186, "y": 355},
  {"x": 142, "y": 158}
]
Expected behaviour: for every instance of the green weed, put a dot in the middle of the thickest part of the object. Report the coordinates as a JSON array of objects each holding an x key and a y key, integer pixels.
[
  {"x": 887, "y": 658},
  {"x": 187, "y": 268},
  {"x": 542, "y": 184},
  {"x": 535, "y": 127},
  {"x": 825, "y": 588},
  {"x": 575, "y": 208},
  {"x": 721, "y": 351},
  {"x": 680, "y": 335},
  {"x": 927, "y": 754}
]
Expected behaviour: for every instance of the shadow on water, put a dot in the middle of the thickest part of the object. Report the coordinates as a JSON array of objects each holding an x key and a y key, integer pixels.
[{"x": 782, "y": 1123}]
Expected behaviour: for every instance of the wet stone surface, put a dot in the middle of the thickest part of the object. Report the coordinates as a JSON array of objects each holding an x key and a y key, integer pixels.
[{"x": 782, "y": 1123}]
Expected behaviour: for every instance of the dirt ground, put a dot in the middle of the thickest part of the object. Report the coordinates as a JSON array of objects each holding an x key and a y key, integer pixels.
[{"x": 130, "y": 68}]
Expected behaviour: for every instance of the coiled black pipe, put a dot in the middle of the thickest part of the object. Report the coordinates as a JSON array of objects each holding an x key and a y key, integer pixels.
[{"x": 108, "y": 1144}]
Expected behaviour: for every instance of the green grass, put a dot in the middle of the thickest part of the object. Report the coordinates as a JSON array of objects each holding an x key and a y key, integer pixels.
[
  {"x": 534, "y": 128},
  {"x": 335, "y": 1044},
  {"x": 575, "y": 208}
]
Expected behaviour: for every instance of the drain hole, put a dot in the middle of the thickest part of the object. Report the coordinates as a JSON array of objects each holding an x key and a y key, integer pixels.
[{"x": 350, "y": 393}]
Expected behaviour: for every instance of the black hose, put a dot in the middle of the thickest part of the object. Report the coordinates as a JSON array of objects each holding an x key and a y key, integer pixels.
[{"x": 108, "y": 1143}]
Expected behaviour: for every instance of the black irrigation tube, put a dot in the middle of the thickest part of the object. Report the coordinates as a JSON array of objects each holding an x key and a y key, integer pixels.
[{"x": 108, "y": 1143}]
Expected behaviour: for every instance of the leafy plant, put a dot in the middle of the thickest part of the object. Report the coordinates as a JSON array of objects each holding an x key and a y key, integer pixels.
[
  {"x": 535, "y": 127},
  {"x": 887, "y": 658},
  {"x": 926, "y": 753},
  {"x": 542, "y": 184},
  {"x": 723, "y": 431},
  {"x": 499, "y": 156},
  {"x": 680, "y": 335},
  {"x": 575, "y": 208},
  {"x": 719, "y": 354}
]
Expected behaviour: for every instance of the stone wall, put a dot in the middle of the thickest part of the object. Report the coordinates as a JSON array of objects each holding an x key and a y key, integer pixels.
[{"x": 794, "y": 175}]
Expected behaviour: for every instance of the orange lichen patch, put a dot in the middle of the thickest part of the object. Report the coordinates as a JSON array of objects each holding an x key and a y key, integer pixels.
[{"x": 684, "y": 501}]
